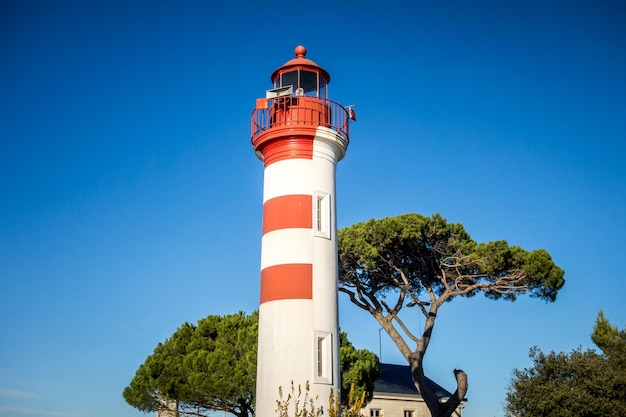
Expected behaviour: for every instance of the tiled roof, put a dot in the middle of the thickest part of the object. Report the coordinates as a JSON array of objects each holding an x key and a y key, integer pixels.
[{"x": 396, "y": 379}]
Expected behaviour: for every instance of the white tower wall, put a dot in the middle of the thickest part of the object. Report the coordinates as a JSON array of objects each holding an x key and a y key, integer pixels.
[{"x": 298, "y": 333}]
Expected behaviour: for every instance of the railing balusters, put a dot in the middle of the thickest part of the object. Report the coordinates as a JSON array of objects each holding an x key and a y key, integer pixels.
[{"x": 286, "y": 111}]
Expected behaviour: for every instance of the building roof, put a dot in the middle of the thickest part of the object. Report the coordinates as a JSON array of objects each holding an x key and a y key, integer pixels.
[{"x": 397, "y": 380}]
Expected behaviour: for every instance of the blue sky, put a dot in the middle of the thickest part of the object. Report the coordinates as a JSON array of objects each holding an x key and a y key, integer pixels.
[{"x": 130, "y": 197}]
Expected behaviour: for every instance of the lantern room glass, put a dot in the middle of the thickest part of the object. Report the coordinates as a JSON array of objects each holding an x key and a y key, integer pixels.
[{"x": 307, "y": 83}]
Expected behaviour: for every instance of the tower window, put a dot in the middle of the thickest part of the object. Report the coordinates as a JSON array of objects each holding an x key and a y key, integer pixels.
[
  {"x": 321, "y": 214},
  {"x": 320, "y": 356},
  {"x": 323, "y": 358}
]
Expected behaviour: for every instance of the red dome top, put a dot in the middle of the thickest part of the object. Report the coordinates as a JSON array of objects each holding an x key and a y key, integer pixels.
[{"x": 300, "y": 62}]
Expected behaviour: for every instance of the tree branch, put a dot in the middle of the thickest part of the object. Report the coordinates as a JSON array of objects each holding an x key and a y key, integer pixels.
[{"x": 459, "y": 395}]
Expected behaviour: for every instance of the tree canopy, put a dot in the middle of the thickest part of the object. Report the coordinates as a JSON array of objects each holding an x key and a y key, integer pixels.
[
  {"x": 575, "y": 384},
  {"x": 212, "y": 366},
  {"x": 387, "y": 264},
  {"x": 359, "y": 370},
  {"x": 204, "y": 367}
]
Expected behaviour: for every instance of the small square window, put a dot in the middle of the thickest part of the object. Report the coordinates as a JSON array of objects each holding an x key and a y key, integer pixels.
[{"x": 374, "y": 412}]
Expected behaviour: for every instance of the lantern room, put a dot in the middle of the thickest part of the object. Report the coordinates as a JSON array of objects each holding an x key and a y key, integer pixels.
[
  {"x": 297, "y": 106},
  {"x": 304, "y": 76}
]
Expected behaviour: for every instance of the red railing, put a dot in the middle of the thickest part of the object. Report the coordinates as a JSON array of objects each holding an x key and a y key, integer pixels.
[{"x": 299, "y": 111}]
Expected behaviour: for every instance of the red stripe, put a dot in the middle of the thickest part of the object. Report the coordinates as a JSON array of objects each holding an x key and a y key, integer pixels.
[
  {"x": 288, "y": 148},
  {"x": 288, "y": 212},
  {"x": 287, "y": 282}
]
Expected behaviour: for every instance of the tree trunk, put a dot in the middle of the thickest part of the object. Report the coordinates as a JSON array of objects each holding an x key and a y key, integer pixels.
[
  {"x": 437, "y": 408},
  {"x": 167, "y": 407}
]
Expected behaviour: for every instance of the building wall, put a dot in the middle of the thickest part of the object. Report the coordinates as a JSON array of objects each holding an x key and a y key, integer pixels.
[{"x": 397, "y": 406}]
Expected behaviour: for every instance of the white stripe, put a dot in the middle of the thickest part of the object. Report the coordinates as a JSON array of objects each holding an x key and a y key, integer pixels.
[
  {"x": 335, "y": 145},
  {"x": 287, "y": 177},
  {"x": 287, "y": 246}
]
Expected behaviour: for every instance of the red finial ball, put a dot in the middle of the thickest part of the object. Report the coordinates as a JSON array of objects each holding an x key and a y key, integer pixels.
[{"x": 300, "y": 51}]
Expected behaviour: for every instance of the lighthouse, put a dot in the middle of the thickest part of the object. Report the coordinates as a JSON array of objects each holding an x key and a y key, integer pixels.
[{"x": 299, "y": 135}]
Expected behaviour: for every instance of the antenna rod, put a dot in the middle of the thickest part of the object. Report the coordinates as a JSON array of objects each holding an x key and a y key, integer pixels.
[{"x": 380, "y": 346}]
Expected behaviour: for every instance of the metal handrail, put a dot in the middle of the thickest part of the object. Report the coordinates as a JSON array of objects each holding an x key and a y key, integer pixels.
[{"x": 300, "y": 111}]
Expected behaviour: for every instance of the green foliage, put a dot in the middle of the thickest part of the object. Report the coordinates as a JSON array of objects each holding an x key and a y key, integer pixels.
[
  {"x": 575, "y": 384},
  {"x": 162, "y": 373},
  {"x": 609, "y": 338},
  {"x": 211, "y": 366},
  {"x": 359, "y": 370},
  {"x": 434, "y": 254},
  {"x": 190, "y": 367}
]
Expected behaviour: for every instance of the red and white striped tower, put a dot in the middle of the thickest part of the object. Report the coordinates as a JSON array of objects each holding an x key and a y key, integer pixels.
[{"x": 300, "y": 136}]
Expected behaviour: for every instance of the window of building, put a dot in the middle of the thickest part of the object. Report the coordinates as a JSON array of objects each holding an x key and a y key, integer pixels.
[
  {"x": 409, "y": 413},
  {"x": 374, "y": 412}
]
